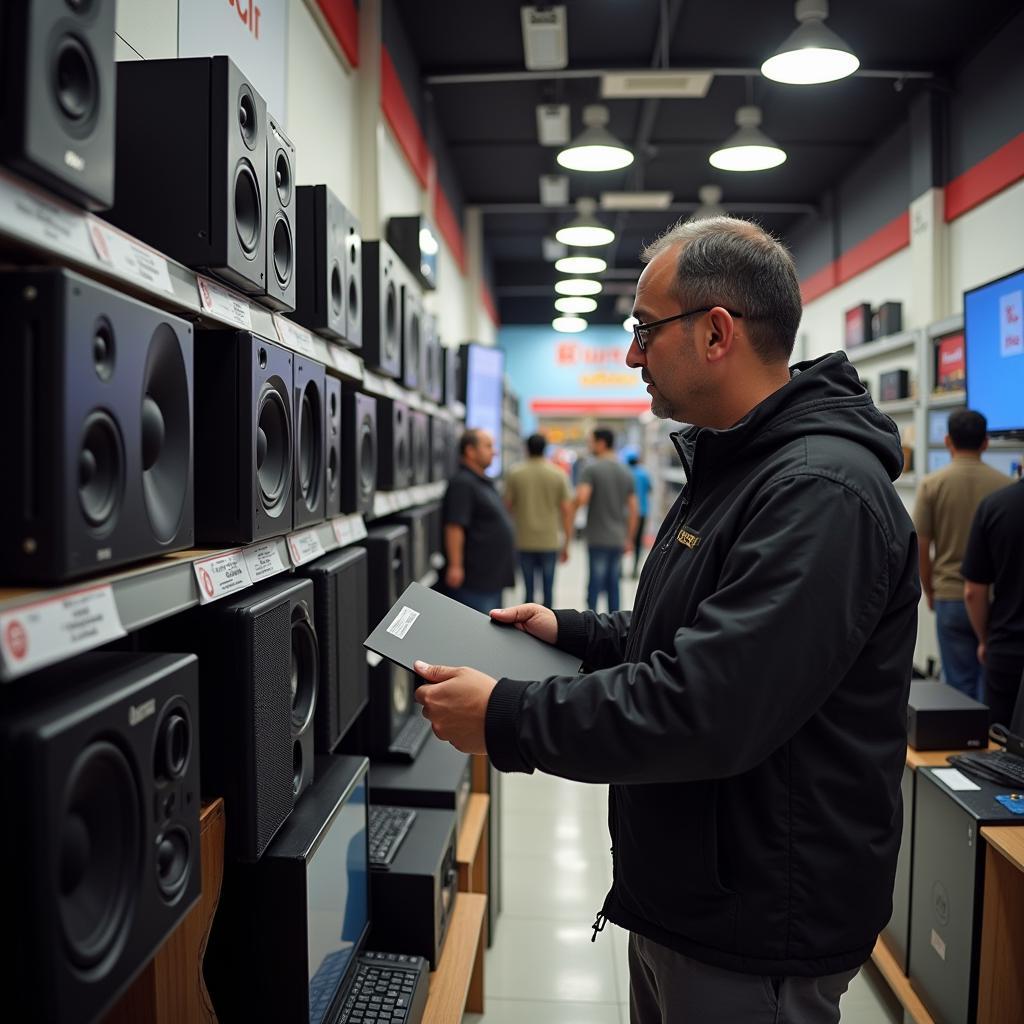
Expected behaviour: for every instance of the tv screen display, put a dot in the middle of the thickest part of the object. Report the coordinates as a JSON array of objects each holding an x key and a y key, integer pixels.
[
  {"x": 484, "y": 368},
  {"x": 994, "y": 329}
]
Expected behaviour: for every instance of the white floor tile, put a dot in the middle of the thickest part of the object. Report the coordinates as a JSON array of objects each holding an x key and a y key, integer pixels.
[
  {"x": 522, "y": 1011},
  {"x": 569, "y": 885}
]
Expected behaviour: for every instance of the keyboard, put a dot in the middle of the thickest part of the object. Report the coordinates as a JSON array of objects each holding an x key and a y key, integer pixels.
[
  {"x": 410, "y": 739},
  {"x": 388, "y": 988},
  {"x": 994, "y": 765},
  {"x": 388, "y": 827}
]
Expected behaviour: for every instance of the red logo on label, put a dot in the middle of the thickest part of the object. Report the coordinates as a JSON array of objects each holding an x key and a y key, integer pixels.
[
  {"x": 16, "y": 639},
  {"x": 207, "y": 582},
  {"x": 249, "y": 14}
]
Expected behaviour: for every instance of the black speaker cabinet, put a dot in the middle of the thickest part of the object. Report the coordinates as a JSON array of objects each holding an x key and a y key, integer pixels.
[
  {"x": 281, "y": 219},
  {"x": 309, "y": 405},
  {"x": 382, "y": 309},
  {"x": 419, "y": 446},
  {"x": 359, "y": 451},
  {"x": 394, "y": 457},
  {"x": 440, "y": 433},
  {"x": 353, "y": 282},
  {"x": 192, "y": 165},
  {"x": 450, "y": 358},
  {"x": 100, "y": 802},
  {"x": 333, "y": 462},
  {"x": 320, "y": 294},
  {"x": 388, "y": 566},
  {"x": 417, "y": 522},
  {"x": 57, "y": 96},
  {"x": 244, "y": 446},
  {"x": 412, "y": 331},
  {"x": 435, "y": 534},
  {"x": 99, "y": 424},
  {"x": 897, "y": 932},
  {"x": 431, "y": 370},
  {"x": 340, "y": 582}
]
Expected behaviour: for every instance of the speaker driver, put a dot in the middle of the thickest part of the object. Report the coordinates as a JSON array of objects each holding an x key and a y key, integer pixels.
[
  {"x": 353, "y": 285},
  {"x": 273, "y": 449},
  {"x": 367, "y": 460},
  {"x": 310, "y": 446},
  {"x": 76, "y": 83},
  {"x": 99, "y": 851},
  {"x": 100, "y": 471},
  {"x": 400, "y": 691},
  {"x": 248, "y": 122},
  {"x": 283, "y": 251},
  {"x": 248, "y": 209},
  {"x": 305, "y": 671},
  {"x": 103, "y": 349},
  {"x": 391, "y": 323},
  {"x": 166, "y": 433},
  {"x": 172, "y": 862},
  {"x": 337, "y": 293},
  {"x": 173, "y": 745},
  {"x": 283, "y": 177}
]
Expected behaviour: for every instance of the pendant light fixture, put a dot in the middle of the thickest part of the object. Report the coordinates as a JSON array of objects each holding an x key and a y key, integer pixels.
[
  {"x": 577, "y": 286},
  {"x": 585, "y": 230},
  {"x": 575, "y": 304},
  {"x": 710, "y": 197},
  {"x": 813, "y": 53},
  {"x": 569, "y": 324},
  {"x": 575, "y": 264},
  {"x": 595, "y": 148},
  {"x": 748, "y": 148}
]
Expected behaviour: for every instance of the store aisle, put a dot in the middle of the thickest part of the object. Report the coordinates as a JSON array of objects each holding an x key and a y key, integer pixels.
[{"x": 543, "y": 968}]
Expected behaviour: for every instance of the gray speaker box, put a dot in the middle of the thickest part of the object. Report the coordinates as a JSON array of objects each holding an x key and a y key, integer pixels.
[
  {"x": 281, "y": 219},
  {"x": 412, "y": 330},
  {"x": 310, "y": 433},
  {"x": 353, "y": 282},
  {"x": 320, "y": 296},
  {"x": 382, "y": 309},
  {"x": 333, "y": 443}
]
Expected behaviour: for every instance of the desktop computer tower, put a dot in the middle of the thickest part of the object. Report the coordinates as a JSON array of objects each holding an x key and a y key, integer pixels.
[{"x": 897, "y": 932}]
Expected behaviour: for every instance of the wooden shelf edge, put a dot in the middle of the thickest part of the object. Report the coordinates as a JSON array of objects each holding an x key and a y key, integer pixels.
[
  {"x": 900, "y": 984},
  {"x": 449, "y": 984},
  {"x": 473, "y": 823},
  {"x": 1007, "y": 840}
]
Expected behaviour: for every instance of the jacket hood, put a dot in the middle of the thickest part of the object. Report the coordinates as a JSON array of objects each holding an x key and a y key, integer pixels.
[{"x": 823, "y": 396}]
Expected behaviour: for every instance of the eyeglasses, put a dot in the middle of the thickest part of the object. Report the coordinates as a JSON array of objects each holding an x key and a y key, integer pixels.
[{"x": 642, "y": 332}]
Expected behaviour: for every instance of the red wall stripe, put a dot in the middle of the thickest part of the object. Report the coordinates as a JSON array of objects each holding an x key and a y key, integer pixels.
[
  {"x": 400, "y": 117},
  {"x": 875, "y": 248},
  {"x": 997, "y": 171},
  {"x": 817, "y": 284},
  {"x": 489, "y": 304},
  {"x": 449, "y": 227},
  {"x": 343, "y": 19}
]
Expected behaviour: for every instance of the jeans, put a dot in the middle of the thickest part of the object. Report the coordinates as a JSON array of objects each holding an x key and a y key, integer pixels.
[
  {"x": 481, "y": 600},
  {"x": 605, "y": 568},
  {"x": 543, "y": 562},
  {"x": 958, "y": 648}
]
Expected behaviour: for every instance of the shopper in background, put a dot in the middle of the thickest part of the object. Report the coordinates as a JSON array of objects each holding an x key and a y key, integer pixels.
[
  {"x": 537, "y": 495},
  {"x": 479, "y": 542},
  {"x": 994, "y": 561},
  {"x": 750, "y": 713},
  {"x": 606, "y": 491},
  {"x": 642, "y": 486},
  {"x": 945, "y": 505}
]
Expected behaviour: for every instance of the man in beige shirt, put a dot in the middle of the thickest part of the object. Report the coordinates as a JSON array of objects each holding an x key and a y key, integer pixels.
[
  {"x": 537, "y": 495},
  {"x": 946, "y": 503}
]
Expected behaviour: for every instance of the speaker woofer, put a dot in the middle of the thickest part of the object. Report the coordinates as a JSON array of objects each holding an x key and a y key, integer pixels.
[
  {"x": 76, "y": 83},
  {"x": 248, "y": 209},
  {"x": 283, "y": 252},
  {"x": 173, "y": 744},
  {"x": 283, "y": 177},
  {"x": 337, "y": 292},
  {"x": 391, "y": 339},
  {"x": 367, "y": 459},
  {"x": 166, "y": 434},
  {"x": 173, "y": 864},
  {"x": 100, "y": 471},
  {"x": 305, "y": 671},
  {"x": 311, "y": 442},
  {"x": 273, "y": 450}
]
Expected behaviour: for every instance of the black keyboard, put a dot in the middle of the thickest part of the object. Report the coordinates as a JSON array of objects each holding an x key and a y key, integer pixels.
[
  {"x": 388, "y": 827},
  {"x": 410, "y": 739},
  {"x": 388, "y": 988},
  {"x": 994, "y": 765}
]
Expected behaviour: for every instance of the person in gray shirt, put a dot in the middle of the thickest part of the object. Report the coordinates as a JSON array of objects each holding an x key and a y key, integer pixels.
[{"x": 606, "y": 490}]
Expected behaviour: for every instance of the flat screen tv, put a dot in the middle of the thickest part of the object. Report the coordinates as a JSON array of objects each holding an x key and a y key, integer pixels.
[
  {"x": 994, "y": 330},
  {"x": 483, "y": 376}
]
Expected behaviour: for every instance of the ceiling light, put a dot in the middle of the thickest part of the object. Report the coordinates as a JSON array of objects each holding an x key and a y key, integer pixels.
[
  {"x": 554, "y": 190},
  {"x": 629, "y": 323},
  {"x": 552, "y": 250},
  {"x": 748, "y": 148},
  {"x": 585, "y": 229},
  {"x": 635, "y": 200},
  {"x": 581, "y": 265},
  {"x": 595, "y": 148},
  {"x": 569, "y": 324},
  {"x": 575, "y": 304},
  {"x": 813, "y": 53},
  {"x": 578, "y": 286},
  {"x": 710, "y": 197}
]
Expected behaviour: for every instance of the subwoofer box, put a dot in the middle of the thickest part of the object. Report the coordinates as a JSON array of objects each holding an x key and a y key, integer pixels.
[
  {"x": 100, "y": 802},
  {"x": 320, "y": 296},
  {"x": 58, "y": 96},
  {"x": 394, "y": 463},
  {"x": 359, "y": 450},
  {"x": 99, "y": 423},
  {"x": 309, "y": 404},
  {"x": 382, "y": 309},
  {"x": 412, "y": 330},
  {"x": 192, "y": 165},
  {"x": 244, "y": 446},
  {"x": 333, "y": 442},
  {"x": 440, "y": 439},
  {"x": 281, "y": 220},
  {"x": 431, "y": 369},
  {"x": 353, "y": 282}
]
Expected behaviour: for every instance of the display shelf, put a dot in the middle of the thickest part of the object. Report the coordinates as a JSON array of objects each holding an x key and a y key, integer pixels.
[
  {"x": 899, "y": 983},
  {"x": 897, "y": 406},
  {"x": 946, "y": 399},
  {"x": 940, "y": 328},
  {"x": 387, "y": 502},
  {"x": 457, "y": 985},
  {"x": 471, "y": 851},
  {"x": 905, "y": 341}
]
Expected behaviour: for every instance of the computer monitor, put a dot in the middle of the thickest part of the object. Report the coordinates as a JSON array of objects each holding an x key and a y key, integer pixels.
[{"x": 483, "y": 374}]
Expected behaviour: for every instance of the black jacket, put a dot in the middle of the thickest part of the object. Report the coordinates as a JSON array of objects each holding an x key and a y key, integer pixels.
[{"x": 750, "y": 713}]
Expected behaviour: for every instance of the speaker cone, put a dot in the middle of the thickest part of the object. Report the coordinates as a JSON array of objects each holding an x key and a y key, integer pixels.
[
  {"x": 283, "y": 177},
  {"x": 400, "y": 691},
  {"x": 103, "y": 349},
  {"x": 283, "y": 251},
  {"x": 367, "y": 460},
  {"x": 248, "y": 124},
  {"x": 99, "y": 850},
  {"x": 100, "y": 470},
  {"x": 337, "y": 293},
  {"x": 273, "y": 450},
  {"x": 353, "y": 278},
  {"x": 172, "y": 861},
  {"x": 391, "y": 323},
  {"x": 76, "y": 84},
  {"x": 248, "y": 209},
  {"x": 173, "y": 744},
  {"x": 166, "y": 433},
  {"x": 414, "y": 339},
  {"x": 310, "y": 446}
]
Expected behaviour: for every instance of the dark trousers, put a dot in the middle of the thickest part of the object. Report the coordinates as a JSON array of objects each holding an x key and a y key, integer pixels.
[
  {"x": 480, "y": 600},
  {"x": 534, "y": 563},
  {"x": 958, "y": 648},
  {"x": 999, "y": 692},
  {"x": 605, "y": 569},
  {"x": 638, "y": 544}
]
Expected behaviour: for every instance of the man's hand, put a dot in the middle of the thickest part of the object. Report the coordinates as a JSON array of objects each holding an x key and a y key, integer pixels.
[
  {"x": 454, "y": 576},
  {"x": 563, "y": 555},
  {"x": 534, "y": 619},
  {"x": 455, "y": 703},
  {"x": 981, "y": 653},
  {"x": 930, "y": 596},
  {"x": 627, "y": 548}
]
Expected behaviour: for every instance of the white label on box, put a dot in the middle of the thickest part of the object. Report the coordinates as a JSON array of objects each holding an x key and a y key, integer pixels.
[
  {"x": 130, "y": 258},
  {"x": 304, "y": 546},
  {"x": 938, "y": 945},
  {"x": 264, "y": 560},
  {"x": 50, "y": 630},
  {"x": 220, "y": 575},
  {"x": 403, "y": 622},
  {"x": 43, "y": 221},
  {"x": 955, "y": 779},
  {"x": 295, "y": 337},
  {"x": 358, "y": 528},
  {"x": 223, "y": 303},
  {"x": 346, "y": 362}
]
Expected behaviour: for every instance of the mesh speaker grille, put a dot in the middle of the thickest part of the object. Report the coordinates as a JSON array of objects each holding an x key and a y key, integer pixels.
[{"x": 327, "y": 624}]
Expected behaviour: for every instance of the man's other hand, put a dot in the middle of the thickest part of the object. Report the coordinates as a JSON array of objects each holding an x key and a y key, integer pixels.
[
  {"x": 534, "y": 619},
  {"x": 454, "y": 701},
  {"x": 454, "y": 576}
]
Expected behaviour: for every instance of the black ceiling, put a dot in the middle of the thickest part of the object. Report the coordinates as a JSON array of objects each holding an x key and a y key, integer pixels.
[{"x": 490, "y": 128}]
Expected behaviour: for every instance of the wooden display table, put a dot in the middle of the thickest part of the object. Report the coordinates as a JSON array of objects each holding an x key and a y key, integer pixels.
[
  {"x": 471, "y": 852},
  {"x": 913, "y": 1008},
  {"x": 1000, "y": 980},
  {"x": 457, "y": 986}
]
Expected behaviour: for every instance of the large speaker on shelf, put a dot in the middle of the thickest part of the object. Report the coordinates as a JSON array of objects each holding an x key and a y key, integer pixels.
[
  {"x": 382, "y": 309},
  {"x": 431, "y": 370},
  {"x": 244, "y": 445},
  {"x": 192, "y": 165},
  {"x": 57, "y": 96},
  {"x": 440, "y": 438},
  {"x": 412, "y": 331},
  {"x": 417, "y": 522},
  {"x": 419, "y": 446},
  {"x": 332, "y": 387},
  {"x": 359, "y": 450},
  {"x": 388, "y": 567},
  {"x": 340, "y": 582},
  {"x": 281, "y": 220},
  {"x": 353, "y": 282},
  {"x": 309, "y": 405},
  {"x": 100, "y": 802},
  {"x": 320, "y": 292},
  {"x": 99, "y": 423},
  {"x": 394, "y": 462}
]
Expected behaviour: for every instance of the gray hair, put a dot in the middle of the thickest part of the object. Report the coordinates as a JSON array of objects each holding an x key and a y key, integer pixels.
[{"x": 724, "y": 261}]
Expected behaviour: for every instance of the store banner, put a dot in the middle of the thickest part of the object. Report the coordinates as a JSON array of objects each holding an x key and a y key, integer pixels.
[{"x": 253, "y": 33}]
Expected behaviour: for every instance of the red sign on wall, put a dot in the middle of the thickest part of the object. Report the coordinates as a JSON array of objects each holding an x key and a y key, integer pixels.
[{"x": 950, "y": 363}]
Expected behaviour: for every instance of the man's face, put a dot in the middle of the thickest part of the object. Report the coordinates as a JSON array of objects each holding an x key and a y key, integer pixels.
[{"x": 482, "y": 453}]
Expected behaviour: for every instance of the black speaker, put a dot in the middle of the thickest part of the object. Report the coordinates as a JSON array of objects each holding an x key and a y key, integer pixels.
[
  {"x": 333, "y": 462},
  {"x": 281, "y": 219},
  {"x": 382, "y": 309},
  {"x": 100, "y": 802},
  {"x": 431, "y": 370},
  {"x": 309, "y": 416},
  {"x": 450, "y": 359},
  {"x": 417, "y": 522},
  {"x": 244, "y": 444},
  {"x": 412, "y": 331},
  {"x": 394, "y": 463},
  {"x": 320, "y": 291},
  {"x": 419, "y": 446},
  {"x": 340, "y": 582},
  {"x": 388, "y": 566},
  {"x": 99, "y": 424},
  {"x": 435, "y": 534},
  {"x": 353, "y": 282},
  {"x": 359, "y": 451},
  {"x": 192, "y": 165},
  {"x": 440, "y": 434},
  {"x": 57, "y": 96}
]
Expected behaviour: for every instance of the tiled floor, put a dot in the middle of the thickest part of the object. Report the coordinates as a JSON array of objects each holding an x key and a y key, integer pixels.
[{"x": 543, "y": 968}]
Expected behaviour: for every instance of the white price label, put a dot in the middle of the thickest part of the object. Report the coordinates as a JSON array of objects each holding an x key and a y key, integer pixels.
[
  {"x": 348, "y": 529},
  {"x": 29, "y": 213},
  {"x": 223, "y": 303},
  {"x": 346, "y": 362},
  {"x": 295, "y": 337},
  {"x": 358, "y": 528},
  {"x": 55, "y": 628},
  {"x": 264, "y": 560},
  {"x": 129, "y": 257},
  {"x": 220, "y": 575},
  {"x": 403, "y": 622},
  {"x": 304, "y": 546}
]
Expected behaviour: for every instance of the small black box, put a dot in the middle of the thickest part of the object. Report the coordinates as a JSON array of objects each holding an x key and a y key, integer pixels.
[
  {"x": 941, "y": 718},
  {"x": 888, "y": 319},
  {"x": 439, "y": 777},
  {"x": 893, "y": 385},
  {"x": 857, "y": 325}
]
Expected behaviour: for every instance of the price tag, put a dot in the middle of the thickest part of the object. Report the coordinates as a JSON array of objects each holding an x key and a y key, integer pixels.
[
  {"x": 264, "y": 560},
  {"x": 304, "y": 546},
  {"x": 358, "y": 528},
  {"x": 220, "y": 575},
  {"x": 295, "y": 336},
  {"x": 128, "y": 257},
  {"x": 381, "y": 503},
  {"x": 348, "y": 529},
  {"x": 55, "y": 628},
  {"x": 223, "y": 303},
  {"x": 49, "y": 224},
  {"x": 346, "y": 362}
]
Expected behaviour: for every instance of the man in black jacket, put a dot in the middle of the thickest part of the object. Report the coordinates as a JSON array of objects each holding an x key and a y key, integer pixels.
[{"x": 750, "y": 713}]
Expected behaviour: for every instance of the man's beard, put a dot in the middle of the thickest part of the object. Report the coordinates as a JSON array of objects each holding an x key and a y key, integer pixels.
[{"x": 660, "y": 406}]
